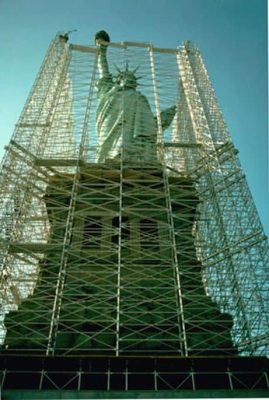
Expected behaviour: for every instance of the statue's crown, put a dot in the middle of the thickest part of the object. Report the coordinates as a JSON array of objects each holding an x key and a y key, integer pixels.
[{"x": 127, "y": 74}]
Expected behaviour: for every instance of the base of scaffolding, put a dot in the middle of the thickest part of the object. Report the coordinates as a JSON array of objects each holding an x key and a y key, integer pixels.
[{"x": 133, "y": 377}]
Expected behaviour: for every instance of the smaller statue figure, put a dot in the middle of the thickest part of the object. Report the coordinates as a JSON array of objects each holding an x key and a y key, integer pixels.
[{"x": 126, "y": 126}]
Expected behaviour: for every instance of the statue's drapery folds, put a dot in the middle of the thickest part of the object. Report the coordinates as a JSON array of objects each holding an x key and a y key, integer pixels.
[{"x": 125, "y": 123}]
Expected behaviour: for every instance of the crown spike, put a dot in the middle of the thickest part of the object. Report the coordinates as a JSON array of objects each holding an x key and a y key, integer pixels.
[
  {"x": 134, "y": 71},
  {"x": 117, "y": 68}
]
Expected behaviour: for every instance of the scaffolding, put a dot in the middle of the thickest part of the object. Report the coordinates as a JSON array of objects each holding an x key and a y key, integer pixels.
[{"x": 163, "y": 257}]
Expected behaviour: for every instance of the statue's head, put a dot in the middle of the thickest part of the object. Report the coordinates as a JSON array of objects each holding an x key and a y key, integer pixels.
[{"x": 127, "y": 79}]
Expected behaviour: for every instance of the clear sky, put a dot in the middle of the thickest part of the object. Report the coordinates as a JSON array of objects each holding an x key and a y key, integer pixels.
[{"x": 231, "y": 34}]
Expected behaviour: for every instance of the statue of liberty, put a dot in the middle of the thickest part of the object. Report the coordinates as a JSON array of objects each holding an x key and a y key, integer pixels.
[{"x": 125, "y": 123}]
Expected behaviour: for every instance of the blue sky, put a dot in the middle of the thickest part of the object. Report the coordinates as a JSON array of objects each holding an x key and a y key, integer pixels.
[{"x": 231, "y": 34}]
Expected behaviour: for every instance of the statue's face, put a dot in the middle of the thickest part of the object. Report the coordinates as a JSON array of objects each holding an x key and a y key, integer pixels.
[{"x": 127, "y": 80}]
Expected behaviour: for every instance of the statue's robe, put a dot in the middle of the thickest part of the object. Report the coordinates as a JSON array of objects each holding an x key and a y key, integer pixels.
[{"x": 126, "y": 126}]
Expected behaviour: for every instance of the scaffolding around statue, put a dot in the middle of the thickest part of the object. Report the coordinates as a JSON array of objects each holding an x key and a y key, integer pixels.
[{"x": 153, "y": 250}]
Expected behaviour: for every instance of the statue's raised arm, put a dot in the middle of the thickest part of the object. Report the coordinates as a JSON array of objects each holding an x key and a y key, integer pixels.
[{"x": 101, "y": 40}]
